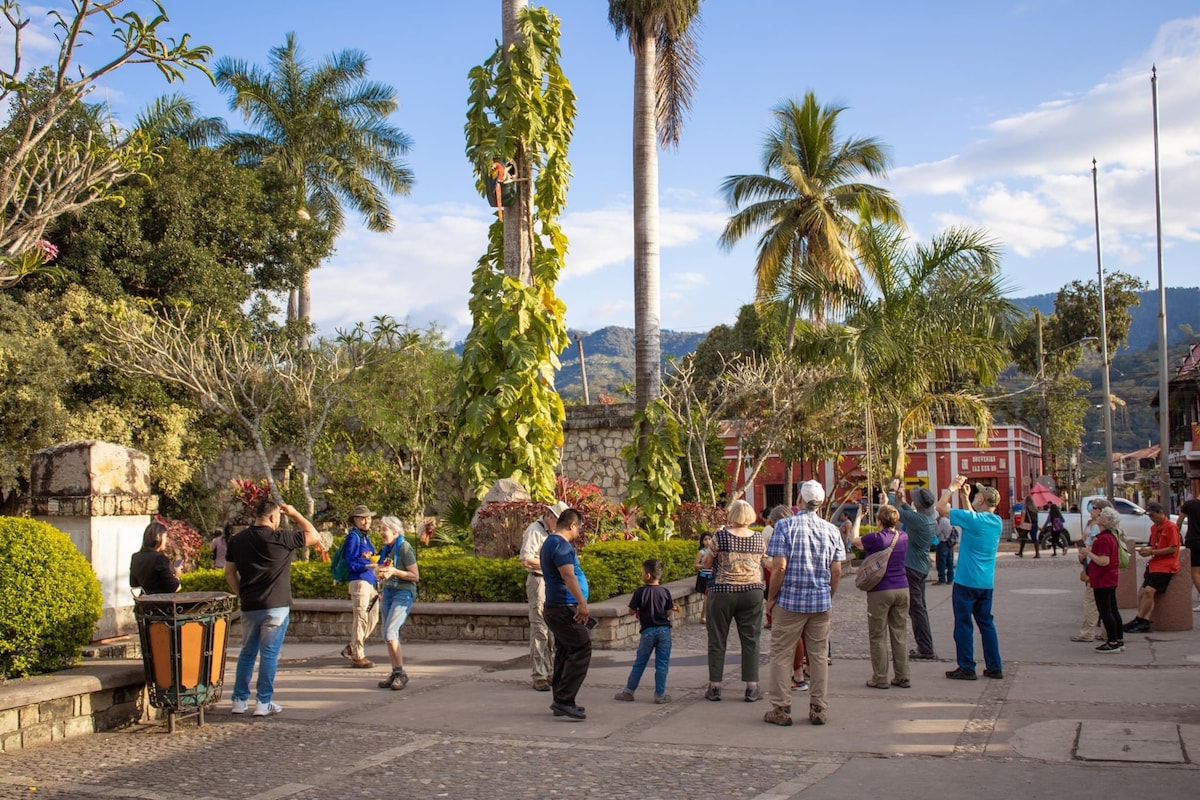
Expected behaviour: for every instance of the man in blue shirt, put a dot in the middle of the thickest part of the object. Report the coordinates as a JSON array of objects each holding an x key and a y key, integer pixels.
[
  {"x": 806, "y": 555},
  {"x": 566, "y": 612},
  {"x": 974, "y": 578},
  {"x": 360, "y": 552}
]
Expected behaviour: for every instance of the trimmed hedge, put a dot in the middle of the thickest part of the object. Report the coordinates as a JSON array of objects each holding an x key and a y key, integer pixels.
[
  {"x": 449, "y": 574},
  {"x": 49, "y": 598}
]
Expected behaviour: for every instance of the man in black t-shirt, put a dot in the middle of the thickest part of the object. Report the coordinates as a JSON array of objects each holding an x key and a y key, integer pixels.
[
  {"x": 1190, "y": 511},
  {"x": 258, "y": 566}
]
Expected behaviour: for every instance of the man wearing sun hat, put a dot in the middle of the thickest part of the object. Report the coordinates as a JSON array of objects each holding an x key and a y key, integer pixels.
[
  {"x": 974, "y": 578},
  {"x": 541, "y": 643},
  {"x": 359, "y": 549}
]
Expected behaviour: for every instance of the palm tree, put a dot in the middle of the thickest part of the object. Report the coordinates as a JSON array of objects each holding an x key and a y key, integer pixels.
[
  {"x": 665, "y": 60},
  {"x": 807, "y": 204},
  {"x": 173, "y": 116},
  {"x": 929, "y": 325},
  {"x": 325, "y": 129}
]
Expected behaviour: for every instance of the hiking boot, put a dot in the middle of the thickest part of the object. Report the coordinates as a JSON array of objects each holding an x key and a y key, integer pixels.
[
  {"x": 994, "y": 674},
  {"x": 713, "y": 693},
  {"x": 902, "y": 683},
  {"x": 874, "y": 684},
  {"x": 387, "y": 682},
  {"x": 347, "y": 653},
  {"x": 917, "y": 655},
  {"x": 401, "y": 680},
  {"x": 624, "y": 695},
  {"x": 961, "y": 674},
  {"x": 362, "y": 663},
  {"x": 778, "y": 716},
  {"x": 541, "y": 685},
  {"x": 662, "y": 699},
  {"x": 753, "y": 695},
  {"x": 816, "y": 716}
]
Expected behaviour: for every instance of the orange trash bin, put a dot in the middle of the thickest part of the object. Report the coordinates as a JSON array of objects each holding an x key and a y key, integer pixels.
[{"x": 183, "y": 637}]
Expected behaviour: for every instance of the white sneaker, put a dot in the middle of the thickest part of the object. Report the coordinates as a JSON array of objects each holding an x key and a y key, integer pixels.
[
  {"x": 239, "y": 707},
  {"x": 267, "y": 709}
]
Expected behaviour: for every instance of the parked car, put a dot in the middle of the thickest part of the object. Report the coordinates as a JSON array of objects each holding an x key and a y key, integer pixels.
[{"x": 1135, "y": 522}]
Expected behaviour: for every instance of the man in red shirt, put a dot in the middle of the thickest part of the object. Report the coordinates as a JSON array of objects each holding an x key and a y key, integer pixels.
[{"x": 1163, "y": 553}]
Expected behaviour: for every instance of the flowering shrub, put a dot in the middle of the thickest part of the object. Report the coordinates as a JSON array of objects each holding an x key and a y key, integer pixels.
[
  {"x": 185, "y": 542},
  {"x": 247, "y": 492},
  {"x": 601, "y": 517}
]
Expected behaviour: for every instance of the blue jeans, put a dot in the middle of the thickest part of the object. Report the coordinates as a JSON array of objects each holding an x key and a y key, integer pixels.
[
  {"x": 945, "y": 562},
  {"x": 396, "y": 605},
  {"x": 975, "y": 603},
  {"x": 657, "y": 639},
  {"x": 262, "y": 638}
]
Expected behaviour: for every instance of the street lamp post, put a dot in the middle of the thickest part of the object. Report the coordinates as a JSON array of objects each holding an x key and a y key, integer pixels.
[{"x": 1108, "y": 450}]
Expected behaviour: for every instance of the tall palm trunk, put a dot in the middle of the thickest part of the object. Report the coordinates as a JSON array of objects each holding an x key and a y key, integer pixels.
[
  {"x": 647, "y": 350},
  {"x": 518, "y": 247}
]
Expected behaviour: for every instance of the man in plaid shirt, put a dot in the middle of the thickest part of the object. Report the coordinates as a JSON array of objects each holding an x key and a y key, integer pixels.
[{"x": 806, "y": 553}]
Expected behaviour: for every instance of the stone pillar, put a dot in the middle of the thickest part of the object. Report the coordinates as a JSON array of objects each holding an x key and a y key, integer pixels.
[
  {"x": 1173, "y": 608},
  {"x": 97, "y": 493}
]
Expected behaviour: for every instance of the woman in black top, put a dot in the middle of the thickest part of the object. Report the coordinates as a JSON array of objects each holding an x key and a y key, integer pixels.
[
  {"x": 1027, "y": 529},
  {"x": 149, "y": 568}
]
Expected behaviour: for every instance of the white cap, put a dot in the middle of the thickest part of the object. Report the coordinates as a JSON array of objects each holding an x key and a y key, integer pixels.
[{"x": 812, "y": 492}]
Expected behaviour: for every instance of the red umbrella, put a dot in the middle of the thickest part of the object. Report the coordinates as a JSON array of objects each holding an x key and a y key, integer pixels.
[{"x": 1042, "y": 496}]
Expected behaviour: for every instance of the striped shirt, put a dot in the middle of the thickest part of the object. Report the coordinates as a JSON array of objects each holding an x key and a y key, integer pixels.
[{"x": 810, "y": 545}]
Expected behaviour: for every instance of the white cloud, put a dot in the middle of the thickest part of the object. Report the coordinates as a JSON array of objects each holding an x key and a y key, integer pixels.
[
  {"x": 1029, "y": 180},
  {"x": 604, "y": 238}
]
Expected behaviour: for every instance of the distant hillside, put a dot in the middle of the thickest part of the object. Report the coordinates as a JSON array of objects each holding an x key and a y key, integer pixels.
[
  {"x": 1183, "y": 308},
  {"x": 609, "y": 351},
  {"x": 609, "y": 354}
]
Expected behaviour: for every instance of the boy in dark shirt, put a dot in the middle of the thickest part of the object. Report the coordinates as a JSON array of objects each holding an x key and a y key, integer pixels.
[{"x": 653, "y": 605}]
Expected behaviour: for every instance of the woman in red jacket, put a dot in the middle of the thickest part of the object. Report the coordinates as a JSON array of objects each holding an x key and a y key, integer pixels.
[{"x": 1104, "y": 567}]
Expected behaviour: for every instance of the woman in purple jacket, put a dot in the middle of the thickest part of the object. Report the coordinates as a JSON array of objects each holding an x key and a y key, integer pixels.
[{"x": 887, "y": 603}]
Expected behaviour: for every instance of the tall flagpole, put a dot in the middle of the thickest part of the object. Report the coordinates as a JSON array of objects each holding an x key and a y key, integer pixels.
[
  {"x": 1108, "y": 451},
  {"x": 1164, "y": 417}
]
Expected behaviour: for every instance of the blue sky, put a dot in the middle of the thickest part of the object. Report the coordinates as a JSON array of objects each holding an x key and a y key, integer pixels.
[{"x": 992, "y": 111}]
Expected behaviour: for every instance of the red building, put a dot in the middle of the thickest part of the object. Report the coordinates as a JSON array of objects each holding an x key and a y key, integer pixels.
[{"x": 1010, "y": 462}]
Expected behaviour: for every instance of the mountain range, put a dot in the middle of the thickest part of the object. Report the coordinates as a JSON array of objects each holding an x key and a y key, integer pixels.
[{"x": 609, "y": 351}]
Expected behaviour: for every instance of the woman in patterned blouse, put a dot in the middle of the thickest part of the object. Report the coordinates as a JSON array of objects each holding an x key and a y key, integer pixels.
[{"x": 735, "y": 594}]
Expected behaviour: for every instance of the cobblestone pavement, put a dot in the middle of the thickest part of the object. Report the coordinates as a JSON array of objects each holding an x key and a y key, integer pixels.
[{"x": 469, "y": 727}]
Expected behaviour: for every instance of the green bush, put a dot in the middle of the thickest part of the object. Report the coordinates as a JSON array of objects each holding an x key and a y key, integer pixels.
[
  {"x": 49, "y": 598},
  {"x": 450, "y": 574}
]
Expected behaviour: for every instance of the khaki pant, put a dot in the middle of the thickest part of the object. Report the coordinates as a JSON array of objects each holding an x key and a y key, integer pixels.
[
  {"x": 886, "y": 623},
  {"x": 361, "y": 593},
  {"x": 787, "y": 628},
  {"x": 541, "y": 643},
  {"x": 1091, "y": 614}
]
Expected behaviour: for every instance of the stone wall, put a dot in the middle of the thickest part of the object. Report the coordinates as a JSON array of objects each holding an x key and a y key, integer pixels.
[
  {"x": 329, "y": 620},
  {"x": 592, "y": 440},
  {"x": 75, "y": 702}
]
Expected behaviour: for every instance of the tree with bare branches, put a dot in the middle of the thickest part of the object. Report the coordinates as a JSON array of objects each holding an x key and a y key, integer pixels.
[{"x": 45, "y": 172}]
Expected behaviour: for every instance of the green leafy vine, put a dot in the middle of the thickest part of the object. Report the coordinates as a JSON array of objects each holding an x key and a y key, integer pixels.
[
  {"x": 652, "y": 463},
  {"x": 505, "y": 403}
]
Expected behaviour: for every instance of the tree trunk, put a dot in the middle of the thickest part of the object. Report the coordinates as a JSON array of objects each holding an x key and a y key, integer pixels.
[
  {"x": 787, "y": 484},
  {"x": 647, "y": 351},
  {"x": 518, "y": 218},
  {"x": 304, "y": 300},
  {"x": 291, "y": 307}
]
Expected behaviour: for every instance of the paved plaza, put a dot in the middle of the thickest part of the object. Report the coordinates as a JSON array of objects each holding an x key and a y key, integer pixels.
[{"x": 1066, "y": 722}]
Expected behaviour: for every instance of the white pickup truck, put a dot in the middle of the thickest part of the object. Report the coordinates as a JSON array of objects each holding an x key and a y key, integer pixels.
[{"x": 1135, "y": 522}]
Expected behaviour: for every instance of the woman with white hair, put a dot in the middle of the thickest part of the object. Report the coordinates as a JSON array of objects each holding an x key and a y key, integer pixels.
[
  {"x": 1104, "y": 568},
  {"x": 735, "y": 596},
  {"x": 397, "y": 574},
  {"x": 1091, "y": 615}
]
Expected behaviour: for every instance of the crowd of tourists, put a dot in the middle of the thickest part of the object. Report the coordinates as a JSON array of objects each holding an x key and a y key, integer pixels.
[{"x": 783, "y": 577}]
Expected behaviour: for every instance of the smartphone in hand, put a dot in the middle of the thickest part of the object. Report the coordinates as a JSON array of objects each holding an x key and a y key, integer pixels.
[{"x": 592, "y": 622}]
